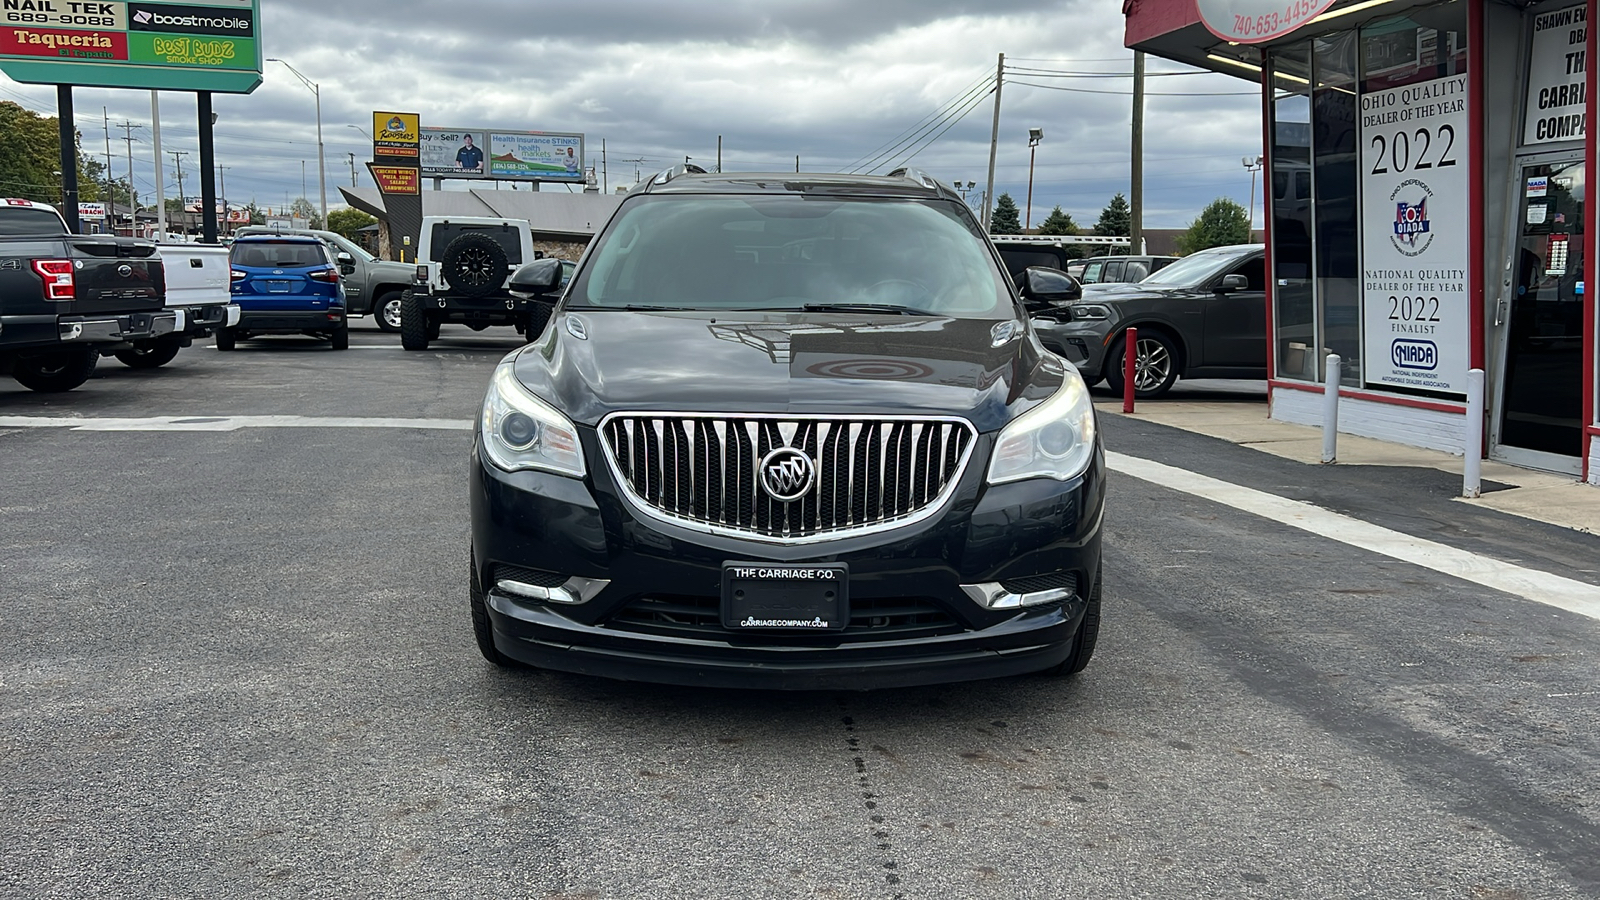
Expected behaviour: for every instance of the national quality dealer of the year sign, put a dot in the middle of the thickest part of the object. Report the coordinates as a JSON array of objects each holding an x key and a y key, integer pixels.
[
  {"x": 213, "y": 45},
  {"x": 1416, "y": 204}
]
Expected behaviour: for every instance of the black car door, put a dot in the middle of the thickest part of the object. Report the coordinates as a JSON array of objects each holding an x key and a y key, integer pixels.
[{"x": 1236, "y": 321}]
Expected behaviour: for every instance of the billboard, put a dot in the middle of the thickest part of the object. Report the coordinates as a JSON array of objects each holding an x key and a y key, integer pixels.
[
  {"x": 208, "y": 45},
  {"x": 536, "y": 156},
  {"x": 394, "y": 135},
  {"x": 455, "y": 153}
]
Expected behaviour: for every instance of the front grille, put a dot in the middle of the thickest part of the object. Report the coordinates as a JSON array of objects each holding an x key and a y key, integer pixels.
[
  {"x": 1067, "y": 581},
  {"x": 878, "y": 618},
  {"x": 869, "y": 473},
  {"x": 537, "y": 577}
]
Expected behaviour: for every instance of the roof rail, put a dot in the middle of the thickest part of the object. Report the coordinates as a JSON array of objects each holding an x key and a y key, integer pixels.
[
  {"x": 676, "y": 171},
  {"x": 915, "y": 174}
]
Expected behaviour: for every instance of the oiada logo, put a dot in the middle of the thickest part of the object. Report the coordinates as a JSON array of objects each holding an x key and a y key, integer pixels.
[
  {"x": 1413, "y": 230},
  {"x": 1409, "y": 354},
  {"x": 787, "y": 474}
]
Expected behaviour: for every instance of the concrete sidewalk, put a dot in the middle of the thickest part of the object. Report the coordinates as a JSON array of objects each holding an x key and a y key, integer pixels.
[{"x": 1540, "y": 496}]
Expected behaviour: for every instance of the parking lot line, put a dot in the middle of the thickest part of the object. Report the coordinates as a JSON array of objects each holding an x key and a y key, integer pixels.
[
  {"x": 226, "y": 423},
  {"x": 1530, "y": 584}
]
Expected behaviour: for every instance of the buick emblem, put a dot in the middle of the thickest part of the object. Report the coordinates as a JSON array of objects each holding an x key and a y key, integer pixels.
[
  {"x": 125, "y": 270},
  {"x": 787, "y": 474}
]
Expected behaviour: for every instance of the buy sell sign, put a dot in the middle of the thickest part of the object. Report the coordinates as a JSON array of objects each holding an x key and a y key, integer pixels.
[{"x": 213, "y": 45}]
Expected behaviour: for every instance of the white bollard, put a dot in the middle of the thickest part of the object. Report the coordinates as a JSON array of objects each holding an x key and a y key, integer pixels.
[
  {"x": 1330, "y": 409},
  {"x": 1472, "y": 469}
]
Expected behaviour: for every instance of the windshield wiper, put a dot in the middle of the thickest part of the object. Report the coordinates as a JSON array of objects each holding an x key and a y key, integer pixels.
[
  {"x": 645, "y": 307},
  {"x": 887, "y": 308}
]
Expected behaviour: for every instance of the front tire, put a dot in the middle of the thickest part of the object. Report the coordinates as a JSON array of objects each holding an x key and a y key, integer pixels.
[
  {"x": 148, "y": 354},
  {"x": 387, "y": 311},
  {"x": 1155, "y": 368},
  {"x": 56, "y": 371},
  {"x": 1083, "y": 642},
  {"x": 535, "y": 321},
  {"x": 482, "y": 628},
  {"x": 413, "y": 323}
]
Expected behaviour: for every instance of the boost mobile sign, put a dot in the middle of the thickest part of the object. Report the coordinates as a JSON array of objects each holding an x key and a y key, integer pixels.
[{"x": 1415, "y": 202}]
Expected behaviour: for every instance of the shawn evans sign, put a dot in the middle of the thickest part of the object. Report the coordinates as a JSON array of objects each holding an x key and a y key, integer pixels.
[
  {"x": 1253, "y": 21},
  {"x": 1415, "y": 192},
  {"x": 1556, "y": 68},
  {"x": 213, "y": 45}
]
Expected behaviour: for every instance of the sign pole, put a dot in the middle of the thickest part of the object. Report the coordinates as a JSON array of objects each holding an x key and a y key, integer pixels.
[
  {"x": 208, "y": 171},
  {"x": 69, "y": 158},
  {"x": 161, "y": 176}
]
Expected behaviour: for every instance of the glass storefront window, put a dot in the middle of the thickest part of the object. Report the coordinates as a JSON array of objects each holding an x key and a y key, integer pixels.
[
  {"x": 1294, "y": 314},
  {"x": 1336, "y": 177}
]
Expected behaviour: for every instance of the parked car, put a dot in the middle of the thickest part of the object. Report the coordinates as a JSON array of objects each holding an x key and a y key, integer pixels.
[
  {"x": 1204, "y": 316},
  {"x": 372, "y": 286},
  {"x": 1020, "y": 253},
  {"x": 789, "y": 432},
  {"x": 286, "y": 284},
  {"x": 1120, "y": 269},
  {"x": 67, "y": 298},
  {"x": 463, "y": 266},
  {"x": 198, "y": 285}
]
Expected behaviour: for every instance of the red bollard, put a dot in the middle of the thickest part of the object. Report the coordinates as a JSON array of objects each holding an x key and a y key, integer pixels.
[{"x": 1130, "y": 356}]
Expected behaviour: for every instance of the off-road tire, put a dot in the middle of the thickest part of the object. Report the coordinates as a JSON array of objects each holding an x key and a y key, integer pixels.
[
  {"x": 535, "y": 320},
  {"x": 149, "y": 354},
  {"x": 433, "y": 329},
  {"x": 225, "y": 338},
  {"x": 482, "y": 628},
  {"x": 340, "y": 337},
  {"x": 1088, "y": 633},
  {"x": 381, "y": 309},
  {"x": 57, "y": 370},
  {"x": 414, "y": 326},
  {"x": 473, "y": 264}
]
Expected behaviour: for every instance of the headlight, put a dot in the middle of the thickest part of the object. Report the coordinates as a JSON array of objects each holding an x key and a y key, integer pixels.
[
  {"x": 520, "y": 431},
  {"x": 1053, "y": 440},
  {"x": 1090, "y": 312}
]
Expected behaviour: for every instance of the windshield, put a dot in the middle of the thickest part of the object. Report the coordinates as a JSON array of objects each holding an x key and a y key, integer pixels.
[
  {"x": 20, "y": 221},
  {"x": 1199, "y": 268},
  {"x": 792, "y": 253}
]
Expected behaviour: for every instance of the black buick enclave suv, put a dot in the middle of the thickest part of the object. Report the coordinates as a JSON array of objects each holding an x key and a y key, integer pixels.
[{"x": 788, "y": 431}]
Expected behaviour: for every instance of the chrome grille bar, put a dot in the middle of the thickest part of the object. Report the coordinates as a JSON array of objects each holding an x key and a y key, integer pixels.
[{"x": 703, "y": 471}]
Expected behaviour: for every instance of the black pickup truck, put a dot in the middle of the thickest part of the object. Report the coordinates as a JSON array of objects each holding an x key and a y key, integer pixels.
[{"x": 66, "y": 298}]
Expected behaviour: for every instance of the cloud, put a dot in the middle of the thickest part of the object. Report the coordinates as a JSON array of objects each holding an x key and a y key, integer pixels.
[{"x": 833, "y": 82}]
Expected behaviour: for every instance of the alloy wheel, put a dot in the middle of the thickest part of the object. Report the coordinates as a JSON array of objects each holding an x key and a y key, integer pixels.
[{"x": 1151, "y": 365}]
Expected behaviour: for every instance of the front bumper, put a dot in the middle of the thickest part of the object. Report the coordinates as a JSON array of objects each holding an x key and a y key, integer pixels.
[
  {"x": 985, "y": 535},
  {"x": 1082, "y": 343}
]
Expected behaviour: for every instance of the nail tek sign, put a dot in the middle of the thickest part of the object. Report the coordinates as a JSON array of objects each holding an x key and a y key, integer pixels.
[{"x": 210, "y": 46}]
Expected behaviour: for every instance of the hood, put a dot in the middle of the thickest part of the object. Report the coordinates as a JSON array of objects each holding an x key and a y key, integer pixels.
[
  {"x": 798, "y": 363},
  {"x": 1114, "y": 291}
]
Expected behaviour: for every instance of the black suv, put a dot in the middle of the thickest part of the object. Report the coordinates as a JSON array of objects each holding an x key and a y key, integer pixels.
[{"x": 788, "y": 431}]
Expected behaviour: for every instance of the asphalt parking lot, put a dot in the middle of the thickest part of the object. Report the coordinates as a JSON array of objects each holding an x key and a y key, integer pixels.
[{"x": 239, "y": 662}]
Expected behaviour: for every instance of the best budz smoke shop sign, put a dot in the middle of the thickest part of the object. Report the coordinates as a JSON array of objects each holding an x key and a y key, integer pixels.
[
  {"x": 208, "y": 46},
  {"x": 1415, "y": 243}
]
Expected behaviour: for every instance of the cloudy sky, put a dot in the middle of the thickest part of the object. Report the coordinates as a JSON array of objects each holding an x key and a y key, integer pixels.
[{"x": 834, "y": 82}]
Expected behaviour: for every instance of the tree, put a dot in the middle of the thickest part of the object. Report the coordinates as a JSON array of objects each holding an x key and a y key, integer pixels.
[
  {"x": 30, "y": 158},
  {"x": 301, "y": 208},
  {"x": 1058, "y": 222},
  {"x": 347, "y": 221},
  {"x": 1116, "y": 220},
  {"x": 1007, "y": 218},
  {"x": 257, "y": 217},
  {"x": 1221, "y": 223}
]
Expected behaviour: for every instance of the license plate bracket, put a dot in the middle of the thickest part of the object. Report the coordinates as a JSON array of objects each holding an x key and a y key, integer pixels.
[{"x": 764, "y": 596}]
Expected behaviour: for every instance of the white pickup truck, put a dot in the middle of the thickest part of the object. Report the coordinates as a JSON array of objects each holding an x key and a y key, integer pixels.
[{"x": 198, "y": 280}]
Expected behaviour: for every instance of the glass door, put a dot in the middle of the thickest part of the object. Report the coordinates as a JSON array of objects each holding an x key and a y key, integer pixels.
[{"x": 1539, "y": 421}]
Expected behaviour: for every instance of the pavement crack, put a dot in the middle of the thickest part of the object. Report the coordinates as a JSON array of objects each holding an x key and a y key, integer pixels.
[{"x": 870, "y": 795}]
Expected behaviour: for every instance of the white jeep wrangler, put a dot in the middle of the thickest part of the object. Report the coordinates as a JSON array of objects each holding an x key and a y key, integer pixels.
[{"x": 463, "y": 266}]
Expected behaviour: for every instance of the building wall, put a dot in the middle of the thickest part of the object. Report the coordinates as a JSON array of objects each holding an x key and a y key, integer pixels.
[{"x": 1426, "y": 428}]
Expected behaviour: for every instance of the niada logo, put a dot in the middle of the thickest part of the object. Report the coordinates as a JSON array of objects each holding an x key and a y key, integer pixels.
[
  {"x": 1413, "y": 230},
  {"x": 1408, "y": 354},
  {"x": 175, "y": 19}
]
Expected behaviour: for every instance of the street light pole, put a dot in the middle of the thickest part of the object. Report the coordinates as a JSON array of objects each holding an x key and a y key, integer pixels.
[
  {"x": 1253, "y": 165},
  {"x": 1035, "y": 135},
  {"x": 322, "y": 167}
]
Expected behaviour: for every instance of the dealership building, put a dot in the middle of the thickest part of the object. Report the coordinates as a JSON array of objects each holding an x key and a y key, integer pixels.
[{"x": 1427, "y": 213}]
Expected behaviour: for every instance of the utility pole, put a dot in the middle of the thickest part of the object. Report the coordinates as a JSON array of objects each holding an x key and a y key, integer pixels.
[
  {"x": 133, "y": 205},
  {"x": 222, "y": 176},
  {"x": 797, "y": 162},
  {"x": 111, "y": 198},
  {"x": 353, "y": 171},
  {"x": 994, "y": 143},
  {"x": 604, "y": 187},
  {"x": 177, "y": 162},
  {"x": 719, "y": 154},
  {"x": 1136, "y": 190}
]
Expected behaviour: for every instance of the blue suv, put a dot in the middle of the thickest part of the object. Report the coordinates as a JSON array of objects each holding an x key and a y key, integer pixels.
[{"x": 286, "y": 284}]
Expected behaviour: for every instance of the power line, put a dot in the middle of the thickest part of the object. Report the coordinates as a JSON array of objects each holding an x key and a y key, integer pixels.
[
  {"x": 894, "y": 143},
  {"x": 970, "y": 107},
  {"x": 1057, "y": 87},
  {"x": 951, "y": 114}
]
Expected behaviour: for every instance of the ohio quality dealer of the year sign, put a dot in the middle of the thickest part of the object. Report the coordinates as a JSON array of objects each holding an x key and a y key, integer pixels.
[
  {"x": 1415, "y": 201},
  {"x": 210, "y": 45}
]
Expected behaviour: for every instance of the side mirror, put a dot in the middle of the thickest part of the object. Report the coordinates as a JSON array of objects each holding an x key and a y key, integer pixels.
[
  {"x": 541, "y": 278},
  {"x": 1048, "y": 291},
  {"x": 347, "y": 263},
  {"x": 1231, "y": 283}
]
